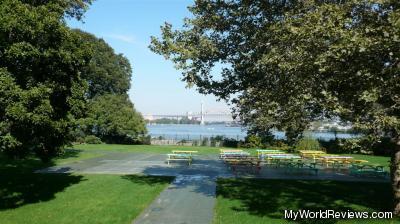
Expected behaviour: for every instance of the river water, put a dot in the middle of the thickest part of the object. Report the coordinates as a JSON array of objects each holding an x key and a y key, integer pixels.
[{"x": 195, "y": 132}]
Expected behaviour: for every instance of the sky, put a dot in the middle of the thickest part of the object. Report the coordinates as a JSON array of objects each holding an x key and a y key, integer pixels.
[{"x": 126, "y": 25}]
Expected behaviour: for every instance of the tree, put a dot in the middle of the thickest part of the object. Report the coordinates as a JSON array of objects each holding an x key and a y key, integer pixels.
[
  {"x": 113, "y": 119},
  {"x": 287, "y": 63},
  {"x": 41, "y": 92},
  {"x": 110, "y": 115},
  {"x": 107, "y": 71}
]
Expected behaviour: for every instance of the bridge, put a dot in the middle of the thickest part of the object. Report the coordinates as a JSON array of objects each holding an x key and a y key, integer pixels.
[{"x": 202, "y": 116}]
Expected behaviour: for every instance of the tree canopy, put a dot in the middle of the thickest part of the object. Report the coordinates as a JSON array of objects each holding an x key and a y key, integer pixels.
[
  {"x": 109, "y": 115},
  {"x": 41, "y": 91},
  {"x": 107, "y": 71},
  {"x": 286, "y": 63},
  {"x": 114, "y": 119}
]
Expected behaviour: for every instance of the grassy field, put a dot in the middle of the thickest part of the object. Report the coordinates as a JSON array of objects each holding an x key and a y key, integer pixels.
[
  {"x": 26, "y": 197},
  {"x": 249, "y": 201},
  {"x": 29, "y": 164},
  {"x": 63, "y": 198},
  {"x": 145, "y": 148}
]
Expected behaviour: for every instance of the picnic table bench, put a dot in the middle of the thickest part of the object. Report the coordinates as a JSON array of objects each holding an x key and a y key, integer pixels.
[
  {"x": 179, "y": 157},
  {"x": 301, "y": 166},
  {"x": 368, "y": 170},
  {"x": 311, "y": 154},
  {"x": 184, "y": 152},
  {"x": 261, "y": 152},
  {"x": 251, "y": 163},
  {"x": 336, "y": 161},
  {"x": 282, "y": 161},
  {"x": 226, "y": 155}
]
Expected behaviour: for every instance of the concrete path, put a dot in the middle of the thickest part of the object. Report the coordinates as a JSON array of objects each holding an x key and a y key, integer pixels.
[{"x": 190, "y": 199}]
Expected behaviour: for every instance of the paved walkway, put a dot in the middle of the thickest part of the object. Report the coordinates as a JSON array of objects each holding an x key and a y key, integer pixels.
[{"x": 190, "y": 199}]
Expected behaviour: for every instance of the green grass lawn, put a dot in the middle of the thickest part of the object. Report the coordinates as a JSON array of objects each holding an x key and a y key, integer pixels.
[
  {"x": 249, "y": 201},
  {"x": 374, "y": 160},
  {"x": 64, "y": 198},
  {"x": 31, "y": 163},
  {"x": 145, "y": 148},
  {"x": 26, "y": 197}
]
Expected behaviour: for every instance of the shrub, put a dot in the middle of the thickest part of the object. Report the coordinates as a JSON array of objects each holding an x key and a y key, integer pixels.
[
  {"x": 91, "y": 139},
  {"x": 308, "y": 143},
  {"x": 362, "y": 145},
  {"x": 145, "y": 140},
  {"x": 204, "y": 141},
  {"x": 253, "y": 141},
  {"x": 230, "y": 142}
]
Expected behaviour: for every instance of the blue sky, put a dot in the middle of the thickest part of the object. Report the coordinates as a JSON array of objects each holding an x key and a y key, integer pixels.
[{"x": 127, "y": 26}]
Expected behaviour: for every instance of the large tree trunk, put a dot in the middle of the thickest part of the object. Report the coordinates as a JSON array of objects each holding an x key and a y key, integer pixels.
[{"x": 395, "y": 175}]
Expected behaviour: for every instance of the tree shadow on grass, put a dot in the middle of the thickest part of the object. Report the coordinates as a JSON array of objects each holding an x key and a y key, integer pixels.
[
  {"x": 271, "y": 197},
  {"x": 148, "y": 180},
  {"x": 68, "y": 153},
  {"x": 31, "y": 162},
  {"x": 18, "y": 189}
]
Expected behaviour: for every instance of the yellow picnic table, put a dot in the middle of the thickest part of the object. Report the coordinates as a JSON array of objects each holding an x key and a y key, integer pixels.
[
  {"x": 360, "y": 161},
  {"x": 335, "y": 159},
  {"x": 313, "y": 154}
]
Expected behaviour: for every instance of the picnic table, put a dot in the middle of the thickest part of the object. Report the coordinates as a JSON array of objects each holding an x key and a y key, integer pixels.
[
  {"x": 234, "y": 155},
  {"x": 179, "y": 157},
  {"x": 262, "y": 152},
  {"x": 281, "y": 159},
  {"x": 311, "y": 153},
  {"x": 250, "y": 163},
  {"x": 336, "y": 160},
  {"x": 296, "y": 166},
  {"x": 368, "y": 170},
  {"x": 284, "y": 156},
  {"x": 184, "y": 152}
]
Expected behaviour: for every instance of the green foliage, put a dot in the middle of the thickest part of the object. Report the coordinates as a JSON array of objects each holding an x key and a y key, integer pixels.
[
  {"x": 308, "y": 143},
  {"x": 363, "y": 145},
  {"x": 287, "y": 63},
  {"x": 253, "y": 141},
  {"x": 110, "y": 116},
  {"x": 41, "y": 92},
  {"x": 107, "y": 71},
  {"x": 113, "y": 119},
  {"x": 91, "y": 139}
]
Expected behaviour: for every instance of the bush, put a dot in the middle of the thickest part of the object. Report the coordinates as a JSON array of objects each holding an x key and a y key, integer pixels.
[
  {"x": 230, "y": 142},
  {"x": 253, "y": 141},
  {"x": 363, "y": 145},
  {"x": 308, "y": 143},
  {"x": 91, "y": 139},
  {"x": 204, "y": 141},
  {"x": 145, "y": 140}
]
